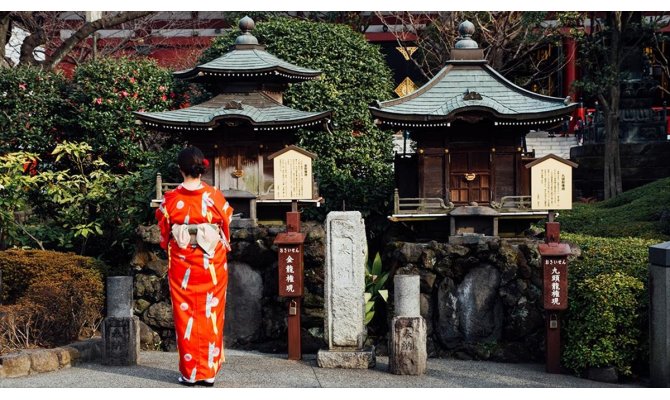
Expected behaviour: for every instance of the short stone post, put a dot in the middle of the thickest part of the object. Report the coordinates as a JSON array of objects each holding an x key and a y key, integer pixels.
[
  {"x": 659, "y": 315},
  {"x": 407, "y": 344},
  {"x": 120, "y": 330},
  {"x": 344, "y": 290}
]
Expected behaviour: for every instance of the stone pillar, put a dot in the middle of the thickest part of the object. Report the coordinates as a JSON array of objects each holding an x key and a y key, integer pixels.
[
  {"x": 120, "y": 330},
  {"x": 346, "y": 256},
  {"x": 407, "y": 344},
  {"x": 659, "y": 315},
  {"x": 406, "y": 295}
]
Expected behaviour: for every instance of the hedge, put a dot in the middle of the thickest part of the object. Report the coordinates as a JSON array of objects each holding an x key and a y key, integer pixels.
[{"x": 607, "y": 320}]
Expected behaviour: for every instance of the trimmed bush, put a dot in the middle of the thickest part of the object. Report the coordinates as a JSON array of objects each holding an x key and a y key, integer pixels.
[
  {"x": 604, "y": 323},
  {"x": 607, "y": 320},
  {"x": 21, "y": 268},
  {"x": 642, "y": 212},
  {"x": 59, "y": 298}
]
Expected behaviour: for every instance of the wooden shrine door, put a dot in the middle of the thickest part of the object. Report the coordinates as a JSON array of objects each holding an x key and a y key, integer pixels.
[
  {"x": 238, "y": 168},
  {"x": 470, "y": 176}
]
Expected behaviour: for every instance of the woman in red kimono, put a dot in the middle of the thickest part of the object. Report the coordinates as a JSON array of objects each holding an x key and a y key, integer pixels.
[{"x": 194, "y": 220}]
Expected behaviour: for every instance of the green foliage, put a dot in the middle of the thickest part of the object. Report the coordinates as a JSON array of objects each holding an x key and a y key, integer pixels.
[
  {"x": 354, "y": 160},
  {"x": 104, "y": 93},
  {"x": 604, "y": 323},
  {"x": 55, "y": 298},
  {"x": 32, "y": 109},
  {"x": 78, "y": 204},
  {"x": 375, "y": 280},
  {"x": 15, "y": 183},
  {"x": 607, "y": 324},
  {"x": 636, "y": 212}
]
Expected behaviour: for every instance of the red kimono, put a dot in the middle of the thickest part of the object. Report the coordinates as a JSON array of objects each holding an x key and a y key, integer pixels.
[{"x": 197, "y": 281}]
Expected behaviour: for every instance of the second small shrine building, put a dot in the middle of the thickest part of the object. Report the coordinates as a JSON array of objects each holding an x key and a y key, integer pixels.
[
  {"x": 243, "y": 125},
  {"x": 469, "y": 124}
]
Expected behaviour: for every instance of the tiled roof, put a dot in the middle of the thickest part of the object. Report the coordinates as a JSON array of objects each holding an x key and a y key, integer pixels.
[
  {"x": 444, "y": 97},
  {"x": 251, "y": 61},
  {"x": 257, "y": 108}
]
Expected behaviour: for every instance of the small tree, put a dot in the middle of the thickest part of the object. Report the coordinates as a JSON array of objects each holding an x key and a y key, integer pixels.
[
  {"x": 104, "y": 93},
  {"x": 353, "y": 167},
  {"x": 33, "y": 105}
]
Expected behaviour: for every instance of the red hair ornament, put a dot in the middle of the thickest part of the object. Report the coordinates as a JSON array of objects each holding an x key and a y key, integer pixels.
[{"x": 205, "y": 162}]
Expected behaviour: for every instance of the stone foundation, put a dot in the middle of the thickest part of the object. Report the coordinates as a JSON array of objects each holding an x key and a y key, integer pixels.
[{"x": 481, "y": 300}]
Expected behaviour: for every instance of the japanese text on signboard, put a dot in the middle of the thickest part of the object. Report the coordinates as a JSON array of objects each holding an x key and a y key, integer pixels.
[
  {"x": 555, "y": 283},
  {"x": 290, "y": 271}
]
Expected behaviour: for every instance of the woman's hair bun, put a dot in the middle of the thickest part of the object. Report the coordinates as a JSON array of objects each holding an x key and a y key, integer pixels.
[{"x": 192, "y": 162}]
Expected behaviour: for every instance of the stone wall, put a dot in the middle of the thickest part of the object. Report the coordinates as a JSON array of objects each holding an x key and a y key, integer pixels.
[
  {"x": 482, "y": 299},
  {"x": 255, "y": 315}
]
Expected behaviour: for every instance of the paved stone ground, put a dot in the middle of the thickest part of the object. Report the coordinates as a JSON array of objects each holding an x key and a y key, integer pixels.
[{"x": 256, "y": 370}]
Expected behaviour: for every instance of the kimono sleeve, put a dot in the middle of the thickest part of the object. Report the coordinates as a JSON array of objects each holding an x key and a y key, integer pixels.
[
  {"x": 164, "y": 224},
  {"x": 226, "y": 212}
]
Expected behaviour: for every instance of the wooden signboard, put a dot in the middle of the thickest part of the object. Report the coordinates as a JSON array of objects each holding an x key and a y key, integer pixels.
[
  {"x": 292, "y": 173},
  {"x": 290, "y": 268},
  {"x": 555, "y": 283},
  {"x": 551, "y": 183}
]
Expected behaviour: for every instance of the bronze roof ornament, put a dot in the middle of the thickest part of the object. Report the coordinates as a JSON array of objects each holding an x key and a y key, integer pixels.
[
  {"x": 466, "y": 29},
  {"x": 246, "y": 26}
]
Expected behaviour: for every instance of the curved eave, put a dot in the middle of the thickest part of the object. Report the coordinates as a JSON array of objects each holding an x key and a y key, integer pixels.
[
  {"x": 308, "y": 122},
  {"x": 392, "y": 118},
  {"x": 199, "y": 74}
]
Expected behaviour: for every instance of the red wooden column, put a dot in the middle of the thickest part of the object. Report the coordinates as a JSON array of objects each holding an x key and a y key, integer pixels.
[{"x": 570, "y": 69}]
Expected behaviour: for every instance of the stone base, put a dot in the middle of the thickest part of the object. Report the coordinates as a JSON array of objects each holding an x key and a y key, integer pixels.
[
  {"x": 121, "y": 341},
  {"x": 607, "y": 374},
  {"x": 407, "y": 346},
  {"x": 353, "y": 359},
  {"x": 244, "y": 223}
]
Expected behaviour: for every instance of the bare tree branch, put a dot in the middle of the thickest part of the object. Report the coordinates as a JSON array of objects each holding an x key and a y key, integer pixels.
[{"x": 89, "y": 28}]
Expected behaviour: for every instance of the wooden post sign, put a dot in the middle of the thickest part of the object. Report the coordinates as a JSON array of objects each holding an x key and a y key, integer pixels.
[
  {"x": 292, "y": 181},
  {"x": 551, "y": 183},
  {"x": 289, "y": 247},
  {"x": 293, "y": 178}
]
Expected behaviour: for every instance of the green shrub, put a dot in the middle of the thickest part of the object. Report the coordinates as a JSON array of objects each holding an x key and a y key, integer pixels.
[
  {"x": 354, "y": 164},
  {"x": 641, "y": 212},
  {"x": 104, "y": 93},
  {"x": 607, "y": 255},
  {"x": 33, "y": 105},
  {"x": 59, "y": 298},
  {"x": 604, "y": 324},
  {"x": 20, "y": 269},
  {"x": 607, "y": 320}
]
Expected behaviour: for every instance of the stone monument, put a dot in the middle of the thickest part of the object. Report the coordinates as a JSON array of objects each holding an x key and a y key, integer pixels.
[
  {"x": 407, "y": 343},
  {"x": 659, "y": 315},
  {"x": 120, "y": 329},
  {"x": 344, "y": 290}
]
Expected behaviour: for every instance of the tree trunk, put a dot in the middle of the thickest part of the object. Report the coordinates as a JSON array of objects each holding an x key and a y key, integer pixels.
[
  {"x": 5, "y": 34},
  {"x": 611, "y": 157}
]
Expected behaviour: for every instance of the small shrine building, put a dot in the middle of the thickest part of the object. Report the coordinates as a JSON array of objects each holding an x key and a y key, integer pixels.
[
  {"x": 469, "y": 124},
  {"x": 243, "y": 124}
]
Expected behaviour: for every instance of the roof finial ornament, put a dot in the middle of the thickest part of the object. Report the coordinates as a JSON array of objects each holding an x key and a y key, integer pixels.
[
  {"x": 246, "y": 26},
  {"x": 465, "y": 31}
]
